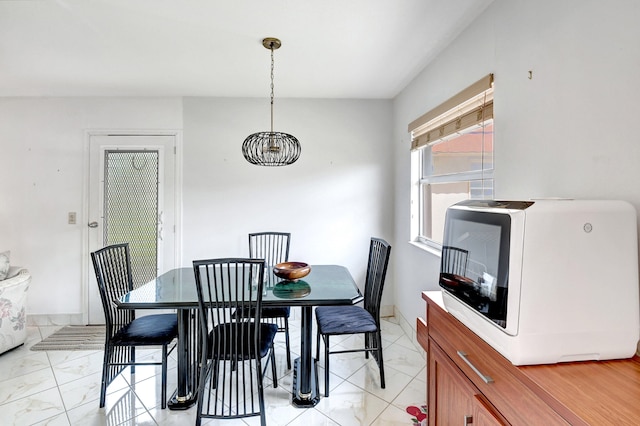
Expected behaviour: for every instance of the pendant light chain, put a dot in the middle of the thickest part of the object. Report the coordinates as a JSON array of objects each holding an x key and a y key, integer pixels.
[{"x": 272, "y": 85}]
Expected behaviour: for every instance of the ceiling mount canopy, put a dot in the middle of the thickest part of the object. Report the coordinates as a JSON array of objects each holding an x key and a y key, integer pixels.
[
  {"x": 271, "y": 43},
  {"x": 271, "y": 148}
]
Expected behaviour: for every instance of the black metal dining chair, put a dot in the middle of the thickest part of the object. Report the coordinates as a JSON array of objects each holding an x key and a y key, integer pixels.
[
  {"x": 124, "y": 332},
  {"x": 232, "y": 349},
  {"x": 352, "y": 319},
  {"x": 273, "y": 247}
]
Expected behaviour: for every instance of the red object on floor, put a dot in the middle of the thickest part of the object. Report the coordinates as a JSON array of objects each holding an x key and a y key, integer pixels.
[{"x": 420, "y": 413}]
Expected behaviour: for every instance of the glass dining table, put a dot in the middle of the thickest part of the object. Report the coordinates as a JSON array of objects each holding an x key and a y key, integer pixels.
[{"x": 176, "y": 289}]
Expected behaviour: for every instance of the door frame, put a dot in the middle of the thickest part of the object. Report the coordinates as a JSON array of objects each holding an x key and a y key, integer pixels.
[{"x": 86, "y": 267}]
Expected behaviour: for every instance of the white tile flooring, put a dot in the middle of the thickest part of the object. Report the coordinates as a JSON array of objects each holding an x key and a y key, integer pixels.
[{"x": 63, "y": 387}]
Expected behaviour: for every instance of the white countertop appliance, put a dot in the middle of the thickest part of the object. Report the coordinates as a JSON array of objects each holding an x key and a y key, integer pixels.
[{"x": 544, "y": 281}]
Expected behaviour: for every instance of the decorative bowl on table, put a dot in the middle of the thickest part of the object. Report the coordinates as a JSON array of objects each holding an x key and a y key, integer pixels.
[{"x": 291, "y": 271}]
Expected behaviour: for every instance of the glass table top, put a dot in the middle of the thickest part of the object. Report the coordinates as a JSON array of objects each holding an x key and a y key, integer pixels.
[{"x": 325, "y": 285}]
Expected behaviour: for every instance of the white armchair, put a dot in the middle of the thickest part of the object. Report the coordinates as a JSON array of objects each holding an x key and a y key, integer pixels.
[{"x": 13, "y": 317}]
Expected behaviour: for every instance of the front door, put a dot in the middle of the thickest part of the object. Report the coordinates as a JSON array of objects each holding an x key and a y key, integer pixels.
[{"x": 132, "y": 200}]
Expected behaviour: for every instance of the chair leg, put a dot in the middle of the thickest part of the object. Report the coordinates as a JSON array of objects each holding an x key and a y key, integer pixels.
[
  {"x": 261, "y": 390},
  {"x": 205, "y": 370},
  {"x": 273, "y": 367},
  {"x": 380, "y": 361},
  {"x": 214, "y": 373},
  {"x": 105, "y": 376},
  {"x": 163, "y": 391},
  {"x": 318, "y": 346},
  {"x": 288, "y": 344},
  {"x": 263, "y": 415},
  {"x": 326, "y": 364},
  {"x": 367, "y": 344}
]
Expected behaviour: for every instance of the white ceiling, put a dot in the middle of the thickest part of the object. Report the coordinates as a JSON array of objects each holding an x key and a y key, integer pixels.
[{"x": 330, "y": 48}]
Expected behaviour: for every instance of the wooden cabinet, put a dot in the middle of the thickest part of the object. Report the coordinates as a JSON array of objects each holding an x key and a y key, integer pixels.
[{"x": 470, "y": 383}]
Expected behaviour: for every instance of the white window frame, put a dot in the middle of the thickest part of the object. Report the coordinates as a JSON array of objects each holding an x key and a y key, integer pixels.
[{"x": 421, "y": 175}]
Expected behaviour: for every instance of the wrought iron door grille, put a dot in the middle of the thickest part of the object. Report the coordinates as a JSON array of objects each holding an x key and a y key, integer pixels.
[{"x": 131, "y": 208}]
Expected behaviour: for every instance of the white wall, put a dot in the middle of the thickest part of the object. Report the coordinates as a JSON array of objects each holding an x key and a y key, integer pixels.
[
  {"x": 43, "y": 143},
  {"x": 567, "y": 132},
  {"x": 333, "y": 199}
]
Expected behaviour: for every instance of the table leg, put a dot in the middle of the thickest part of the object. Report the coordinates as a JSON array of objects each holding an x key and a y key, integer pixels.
[
  {"x": 305, "y": 374},
  {"x": 186, "y": 396}
]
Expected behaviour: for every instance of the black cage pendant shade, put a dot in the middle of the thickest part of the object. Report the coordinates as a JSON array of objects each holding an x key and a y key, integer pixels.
[{"x": 271, "y": 148}]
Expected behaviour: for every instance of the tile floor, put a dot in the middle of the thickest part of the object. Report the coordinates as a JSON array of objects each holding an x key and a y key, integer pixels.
[{"x": 63, "y": 387}]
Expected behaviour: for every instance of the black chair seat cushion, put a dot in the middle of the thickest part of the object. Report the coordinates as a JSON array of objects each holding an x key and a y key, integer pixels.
[
  {"x": 268, "y": 312},
  {"x": 276, "y": 312},
  {"x": 344, "y": 320},
  {"x": 156, "y": 329},
  {"x": 239, "y": 338}
]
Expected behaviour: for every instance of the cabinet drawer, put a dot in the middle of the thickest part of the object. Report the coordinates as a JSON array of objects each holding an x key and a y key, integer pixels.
[
  {"x": 494, "y": 376},
  {"x": 453, "y": 399}
]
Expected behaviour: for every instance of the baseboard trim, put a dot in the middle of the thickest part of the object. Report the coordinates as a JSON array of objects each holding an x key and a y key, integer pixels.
[
  {"x": 410, "y": 330},
  {"x": 41, "y": 320}
]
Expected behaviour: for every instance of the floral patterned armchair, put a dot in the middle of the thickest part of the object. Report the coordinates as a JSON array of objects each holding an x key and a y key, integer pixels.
[{"x": 13, "y": 298}]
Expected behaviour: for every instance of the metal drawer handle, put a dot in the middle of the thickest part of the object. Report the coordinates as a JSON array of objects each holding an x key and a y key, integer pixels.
[{"x": 486, "y": 379}]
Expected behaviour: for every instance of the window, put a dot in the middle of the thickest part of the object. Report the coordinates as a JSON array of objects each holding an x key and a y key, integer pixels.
[{"x": 451, "y": 159}]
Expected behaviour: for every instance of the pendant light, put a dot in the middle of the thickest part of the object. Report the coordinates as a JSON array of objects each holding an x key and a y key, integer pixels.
[{"x": 271, "y": 148}]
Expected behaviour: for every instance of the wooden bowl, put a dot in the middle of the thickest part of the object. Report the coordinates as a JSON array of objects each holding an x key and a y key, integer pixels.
[{"x": 291, "y": 271}]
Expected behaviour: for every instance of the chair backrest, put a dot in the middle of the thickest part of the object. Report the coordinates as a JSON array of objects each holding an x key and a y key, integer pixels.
[
  {"x": 273, "y": 247},
  {"x": 379, "y": 252},
  {"x": 226, "y": 286},
  {"x": 112, "y": 265},
  {"x": 230, "y": 283},
  {"x": 454, "y": 260}
]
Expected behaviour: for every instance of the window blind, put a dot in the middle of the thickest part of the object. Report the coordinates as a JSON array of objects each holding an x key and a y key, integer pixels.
[{"x": 466, "y": 110}]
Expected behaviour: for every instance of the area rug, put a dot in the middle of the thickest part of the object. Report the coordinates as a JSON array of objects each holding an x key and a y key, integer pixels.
[
  {"x": 73, "y": 338},
  {"x": 418, "y": 414}
]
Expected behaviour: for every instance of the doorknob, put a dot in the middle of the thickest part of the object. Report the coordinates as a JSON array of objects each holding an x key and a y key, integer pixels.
[{"x": 93, "y": 225}]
